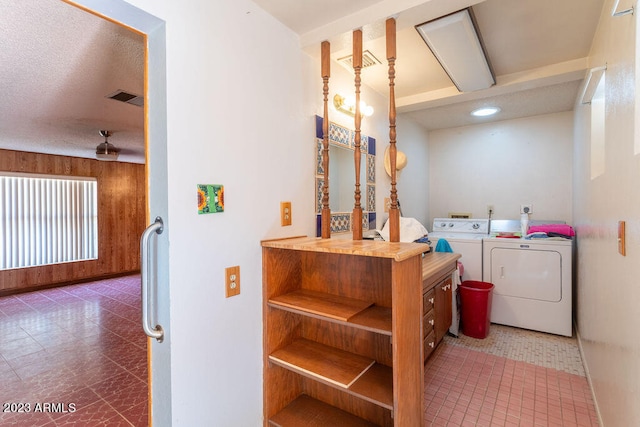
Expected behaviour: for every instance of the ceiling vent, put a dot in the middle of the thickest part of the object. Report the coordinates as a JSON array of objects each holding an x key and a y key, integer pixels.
[
  {"x": 129, "y": 98},
  {"x": 368, "y": 60}
]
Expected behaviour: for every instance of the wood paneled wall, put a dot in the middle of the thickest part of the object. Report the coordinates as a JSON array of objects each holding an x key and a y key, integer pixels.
[{"x": 121, "y": 219}]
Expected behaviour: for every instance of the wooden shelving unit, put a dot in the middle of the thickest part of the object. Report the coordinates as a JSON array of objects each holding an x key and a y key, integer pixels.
[
  {"x": 343, "y": 332},
  {"x": 357, "y": 313}
]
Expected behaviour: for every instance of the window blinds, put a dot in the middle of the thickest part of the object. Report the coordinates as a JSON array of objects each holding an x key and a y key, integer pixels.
[{"x": 47, "y": 220}]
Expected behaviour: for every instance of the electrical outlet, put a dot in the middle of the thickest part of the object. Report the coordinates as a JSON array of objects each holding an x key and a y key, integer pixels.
[
  {"x": 232, "y": 281},
  {"x": 528, "y": 209},
  {"x": 490, "y": 210},
  {"x": 285, "y": 213}
]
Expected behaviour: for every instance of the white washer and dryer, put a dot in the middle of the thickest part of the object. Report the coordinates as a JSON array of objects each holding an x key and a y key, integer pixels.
[
  {"x": 465, "y": 237},
  {"x": 532, "y": 281}
]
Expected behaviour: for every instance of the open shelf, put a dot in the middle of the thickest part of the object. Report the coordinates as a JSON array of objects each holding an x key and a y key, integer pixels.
[
  {"x": 305, "y": 411},
  {"x": 353, "y": 312},
  {"x": 356, "y": 375},
  {"x": 321, "y": 362}
]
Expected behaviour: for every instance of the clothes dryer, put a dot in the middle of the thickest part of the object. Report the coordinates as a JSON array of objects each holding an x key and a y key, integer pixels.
[{"x": 532, "y": 281}]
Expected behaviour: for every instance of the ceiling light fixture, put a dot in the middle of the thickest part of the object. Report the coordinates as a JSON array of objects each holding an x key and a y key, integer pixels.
[
  {"x": 455, "y": 41},
  {"x": 105, "y": 150},
  {"x": 485, "y": 111},
  {"x": 347, "y": 105}
]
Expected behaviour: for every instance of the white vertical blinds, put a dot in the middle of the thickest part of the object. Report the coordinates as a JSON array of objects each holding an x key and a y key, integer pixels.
[{"x": 47, "y": 220}]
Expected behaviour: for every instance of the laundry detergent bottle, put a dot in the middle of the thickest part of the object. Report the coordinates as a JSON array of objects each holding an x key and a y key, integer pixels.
[{"x": 524, "y": 224}]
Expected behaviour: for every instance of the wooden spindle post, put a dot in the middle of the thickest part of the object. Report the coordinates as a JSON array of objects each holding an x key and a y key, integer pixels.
[
  {"x": 394, "y": 211},
  {"x": 325, "y": 222},
  {"x": 356, "y": 224}
]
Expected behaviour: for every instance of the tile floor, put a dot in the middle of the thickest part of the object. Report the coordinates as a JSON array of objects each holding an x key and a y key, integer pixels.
[
  {"x": 76, "y": 355},
  {"x": 513, "y": 377},
  {"x": 83, "y": 345}
]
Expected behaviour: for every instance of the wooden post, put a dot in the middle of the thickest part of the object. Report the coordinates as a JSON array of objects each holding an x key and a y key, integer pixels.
[
  {"x": 394, "y": 211},
  {"x": 356, "y": 222},
  {"x": 325, "y": 222}
]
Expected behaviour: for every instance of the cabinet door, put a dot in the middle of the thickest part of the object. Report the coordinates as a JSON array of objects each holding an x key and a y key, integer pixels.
[{"x": 443, "y": 308}]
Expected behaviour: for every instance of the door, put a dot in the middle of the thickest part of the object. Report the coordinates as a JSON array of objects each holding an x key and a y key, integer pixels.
[
  {"x": 159, "y": 357},
  {"x": 527, "y": 273},
  {"x": 443, "y": 308}
]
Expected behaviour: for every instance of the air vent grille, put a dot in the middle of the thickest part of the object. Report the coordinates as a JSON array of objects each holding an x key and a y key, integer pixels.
[
  {"x": 129, "y": 98},
  {"x": 368, "y": 60}
]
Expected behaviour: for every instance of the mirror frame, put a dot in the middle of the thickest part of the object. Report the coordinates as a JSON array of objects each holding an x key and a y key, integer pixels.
[{"x": 344, "y": 137}]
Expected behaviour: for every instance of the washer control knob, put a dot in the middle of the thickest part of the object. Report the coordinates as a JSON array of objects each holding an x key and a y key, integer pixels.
[
  {"x": 476, "y": 226},
  {"x": 450, "y": 224},
  {"x": 443, "y": 224}
]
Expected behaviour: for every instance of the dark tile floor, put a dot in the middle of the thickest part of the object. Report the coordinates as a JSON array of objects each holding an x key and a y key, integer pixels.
[{"x": 74, "y": 355}]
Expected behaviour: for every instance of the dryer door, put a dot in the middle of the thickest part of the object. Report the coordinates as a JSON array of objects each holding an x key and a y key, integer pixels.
[{"x": 527, "y": 273}]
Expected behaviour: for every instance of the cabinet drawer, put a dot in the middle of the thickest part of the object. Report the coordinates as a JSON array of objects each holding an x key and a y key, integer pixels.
[
  {"x": 428, "y": 300},
  {"x": 429, "y": 344},
  {"x": 428, "y": 320}
]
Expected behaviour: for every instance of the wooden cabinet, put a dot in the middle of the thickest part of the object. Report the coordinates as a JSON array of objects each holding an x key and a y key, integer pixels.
[
  {"x": 343, "y": 333},
  {"x": 443, "y": 308},
  {"x": 436, "y": 302}
]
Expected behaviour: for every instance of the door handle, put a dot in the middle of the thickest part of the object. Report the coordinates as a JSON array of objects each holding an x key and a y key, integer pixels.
[{"x": 148, "y": 304}]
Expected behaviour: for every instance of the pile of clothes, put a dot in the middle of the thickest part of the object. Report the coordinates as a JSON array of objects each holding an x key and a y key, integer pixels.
[{"x": 546, "y": 231}]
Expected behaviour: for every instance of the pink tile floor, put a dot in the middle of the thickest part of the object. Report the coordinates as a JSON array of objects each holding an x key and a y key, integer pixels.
[
  {"x": 74, "y": 355},
  {"x": 82, "y": 347},
  {"x": 466, "y": 385}
]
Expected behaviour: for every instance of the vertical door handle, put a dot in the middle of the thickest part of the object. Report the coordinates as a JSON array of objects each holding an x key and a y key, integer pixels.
[{"x": 148, "y": 297}]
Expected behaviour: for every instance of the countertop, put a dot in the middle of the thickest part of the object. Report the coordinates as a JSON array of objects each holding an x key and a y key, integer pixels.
[
  {"x": 377, "y": 248},
  {"x": 438, "y": 262}
]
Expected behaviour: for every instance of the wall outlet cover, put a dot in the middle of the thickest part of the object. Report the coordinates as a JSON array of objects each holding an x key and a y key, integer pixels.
[{"x": 526, "y": 209}]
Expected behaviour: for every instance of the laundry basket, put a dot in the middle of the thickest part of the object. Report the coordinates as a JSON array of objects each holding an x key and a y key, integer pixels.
[{"x": 475, "y": 304}]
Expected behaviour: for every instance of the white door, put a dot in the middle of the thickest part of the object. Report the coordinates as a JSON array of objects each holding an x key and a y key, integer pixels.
[
  {"x": 153, "y": 28},
  {"x": 526, "y": 273}
]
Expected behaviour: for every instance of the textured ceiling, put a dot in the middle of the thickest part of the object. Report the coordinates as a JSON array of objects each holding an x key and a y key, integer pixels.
[{"x": 58, "y": 64}]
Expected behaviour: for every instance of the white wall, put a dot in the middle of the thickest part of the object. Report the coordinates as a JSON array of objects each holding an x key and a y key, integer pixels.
[
  {"x": 413, "y": 180},
  {"x": 608, "y": 295},
  {"x": 504, "y": 164},
  {"x": 238, "y": 114}
]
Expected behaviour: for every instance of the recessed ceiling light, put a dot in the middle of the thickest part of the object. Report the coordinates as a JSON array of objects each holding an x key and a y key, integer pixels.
[{"x": 485, "y": 111}]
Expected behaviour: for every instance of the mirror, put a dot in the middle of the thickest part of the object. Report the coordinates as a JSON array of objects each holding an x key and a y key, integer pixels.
[{"x": 342, "y": 178}]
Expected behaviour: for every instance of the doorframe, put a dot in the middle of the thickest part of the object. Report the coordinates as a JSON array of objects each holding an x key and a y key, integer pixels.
[{"x": 153, "y": 30}]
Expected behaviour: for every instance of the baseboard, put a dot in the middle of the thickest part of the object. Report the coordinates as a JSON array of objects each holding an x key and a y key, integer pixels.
[{"x": 587, "y": 374}]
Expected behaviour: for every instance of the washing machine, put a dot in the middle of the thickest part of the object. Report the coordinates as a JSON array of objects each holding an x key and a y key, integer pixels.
[
  {"x": 464, "y": 235},
  {"x": 532, "y": 281}
]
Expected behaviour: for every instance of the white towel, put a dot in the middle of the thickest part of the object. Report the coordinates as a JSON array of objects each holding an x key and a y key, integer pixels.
[{"x": 410, "y": 230}]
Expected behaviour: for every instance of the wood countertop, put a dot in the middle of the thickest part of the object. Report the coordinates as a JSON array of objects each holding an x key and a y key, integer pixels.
[
  {"x": 375, "y": 248},
  {"x": 438, "y": 262}
]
